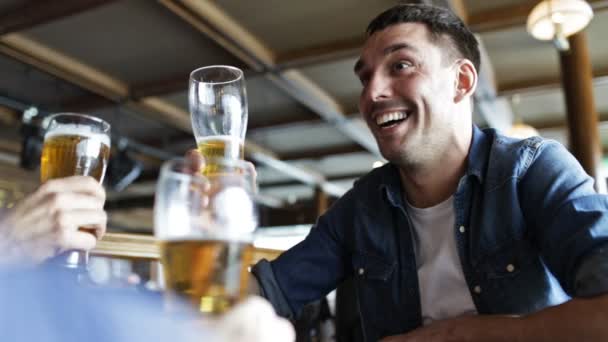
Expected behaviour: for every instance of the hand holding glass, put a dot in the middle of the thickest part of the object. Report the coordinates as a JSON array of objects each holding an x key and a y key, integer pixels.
[{"x": 75, "y": 145}]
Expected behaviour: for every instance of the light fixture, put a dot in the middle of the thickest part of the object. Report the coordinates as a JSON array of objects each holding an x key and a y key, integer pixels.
[{"x": 558, "y": 19}]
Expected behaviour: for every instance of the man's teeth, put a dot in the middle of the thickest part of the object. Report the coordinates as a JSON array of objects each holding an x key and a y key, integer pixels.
[{"x": 394, "y": 116}]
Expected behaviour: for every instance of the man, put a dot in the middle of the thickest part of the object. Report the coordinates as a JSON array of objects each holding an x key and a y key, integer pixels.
[{"x": 466, "y": 235}]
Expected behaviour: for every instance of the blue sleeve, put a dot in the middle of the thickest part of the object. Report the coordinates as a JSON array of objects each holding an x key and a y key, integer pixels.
[
  {"x": 569, "y": 219},
  {"x": 312, "y": 268}
]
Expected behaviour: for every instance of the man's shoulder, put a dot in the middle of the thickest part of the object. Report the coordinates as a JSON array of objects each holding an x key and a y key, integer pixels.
[{"x": 508, "y": 156}]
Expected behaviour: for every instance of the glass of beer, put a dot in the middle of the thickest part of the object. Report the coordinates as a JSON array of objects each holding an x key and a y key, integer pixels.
[
  {"x": 205, "y": 226},
  {"x": 218, "y": 110},
  {"x": 75, "y": 145}
]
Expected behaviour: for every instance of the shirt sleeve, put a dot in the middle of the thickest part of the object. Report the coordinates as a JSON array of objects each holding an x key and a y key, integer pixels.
[
  {"x": 312, "y": 268},
  {"x": 569, "y": 219}
]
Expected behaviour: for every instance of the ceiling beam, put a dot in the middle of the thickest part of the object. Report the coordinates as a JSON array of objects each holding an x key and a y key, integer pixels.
[
  {"x": 494, "y": 19},
  {"x": 341, "y": 177},
  {"x": 34, "y": 13},
  {"x": 323, "y": 152},
  {"x": 225, "y": 31},
  {"x": 544, "y": 84},
  {"x": 9, "y": 116},
  {"x": 506, "y": 17},
  {"x": 78, "y": 73}
]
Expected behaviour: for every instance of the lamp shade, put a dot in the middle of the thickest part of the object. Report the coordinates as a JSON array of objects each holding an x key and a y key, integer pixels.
[{"x": 570, "y": 15}]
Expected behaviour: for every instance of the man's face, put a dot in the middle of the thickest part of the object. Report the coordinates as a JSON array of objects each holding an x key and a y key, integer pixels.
[{"x": 409, "y": 84}]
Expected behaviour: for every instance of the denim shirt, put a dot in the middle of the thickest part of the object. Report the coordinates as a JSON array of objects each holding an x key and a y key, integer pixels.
[{"x": 531, "y": 232}]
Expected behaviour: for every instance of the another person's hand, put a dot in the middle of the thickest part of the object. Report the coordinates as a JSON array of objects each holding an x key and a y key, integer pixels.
[
  {"x": 197, "y": 162},
  {"x": 254, "y": 320},
  {"x": 46, "y": 222}
]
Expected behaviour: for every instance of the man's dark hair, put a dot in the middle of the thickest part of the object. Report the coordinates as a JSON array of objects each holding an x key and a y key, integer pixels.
[{"x": 441, "y": 23}]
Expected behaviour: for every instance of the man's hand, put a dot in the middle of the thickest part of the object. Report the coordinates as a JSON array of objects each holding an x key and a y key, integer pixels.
[
  {"x": 46, "y": 222},
  {"x": 196, "y": 162}
]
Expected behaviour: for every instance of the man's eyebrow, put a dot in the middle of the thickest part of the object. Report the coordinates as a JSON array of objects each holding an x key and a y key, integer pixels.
[
  {"x": 399, "y": 46},
  {"x": 388, "y": 50}
]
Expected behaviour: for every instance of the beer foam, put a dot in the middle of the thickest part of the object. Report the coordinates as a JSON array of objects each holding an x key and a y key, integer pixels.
[{"x": 81, "y": 130}]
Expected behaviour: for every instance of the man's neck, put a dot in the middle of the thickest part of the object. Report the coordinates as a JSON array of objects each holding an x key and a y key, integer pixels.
[{"x": 435, "y": 181}]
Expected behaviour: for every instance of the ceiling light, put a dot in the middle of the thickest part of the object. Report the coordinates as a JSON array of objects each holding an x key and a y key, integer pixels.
[{"x": 558, "y": 19}]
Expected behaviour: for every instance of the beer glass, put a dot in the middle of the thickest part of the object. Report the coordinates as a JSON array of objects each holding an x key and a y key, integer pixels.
[
  {"x": 75, "y": 145},
  {"x": 204, "y": 226},
  {"x": 218, "y": 110}
]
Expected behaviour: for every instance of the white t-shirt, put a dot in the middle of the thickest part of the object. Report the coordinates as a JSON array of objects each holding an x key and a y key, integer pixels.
[{"x": 443, "y": 290}]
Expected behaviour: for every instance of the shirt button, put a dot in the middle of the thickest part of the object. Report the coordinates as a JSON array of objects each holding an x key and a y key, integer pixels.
[
  {"x": 477, "y": 289},
  {"x": 510, "y": 268},
  {"x": 461, "y": 229},
  {"x": 361, "y": 271}
]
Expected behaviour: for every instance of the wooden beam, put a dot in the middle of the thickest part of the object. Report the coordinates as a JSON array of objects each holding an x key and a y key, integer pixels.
[
  {"x": 34, "y": 13},
  {"x": 9, "y": 116},
  {"x": 577, "y": 82},
  {"x": 322, "y": 153},
  {"x": 169, "y": 85},
  {"x": 217, "y": 25},
  {"x": 225, "y": 31},
  {"x": 67, "y": 68},
  {"x": 283, "y": 183},
  {"x": 543, "y": 84},
  {"x": 86, "y": 103},
  {"x": 336, "y": 50},
  {"x": 130, "y": 246},
  {"x": 506, "y": 17}
]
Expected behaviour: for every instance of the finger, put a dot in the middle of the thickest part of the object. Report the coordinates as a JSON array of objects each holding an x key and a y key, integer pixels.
[
  {"x": 78, "y": 184},
  {"x": 89, "y": 219},
  {"x": 36, "y": 221},
  {"x": 77, "y": 240},
  {"x": 195, "y": 161}
]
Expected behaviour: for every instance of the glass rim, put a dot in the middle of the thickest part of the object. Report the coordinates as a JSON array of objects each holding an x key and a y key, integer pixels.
[
  {"x": 105, "y": 125},
  {"x": 239, "y": 76}
]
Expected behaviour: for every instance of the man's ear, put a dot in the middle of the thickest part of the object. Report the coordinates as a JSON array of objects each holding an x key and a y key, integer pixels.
[{"x": 466, "y": 80}]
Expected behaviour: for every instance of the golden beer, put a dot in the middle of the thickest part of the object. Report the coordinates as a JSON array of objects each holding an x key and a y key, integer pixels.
[
  {"x": 69, "y": 153},
  {"x": 222, "y": 146},
  {"x": 212, "y": 274}
]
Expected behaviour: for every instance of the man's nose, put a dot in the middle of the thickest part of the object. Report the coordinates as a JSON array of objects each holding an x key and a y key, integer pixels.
[{"x": 378, "y": 88}]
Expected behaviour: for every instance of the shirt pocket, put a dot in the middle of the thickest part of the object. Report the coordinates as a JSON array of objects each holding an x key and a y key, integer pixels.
[
  {"x": 371, "y": 267},
  {"x": 508, "y": 260},
  {"x": 376, "y": 295},
  {"x": 514, "y": 278}
]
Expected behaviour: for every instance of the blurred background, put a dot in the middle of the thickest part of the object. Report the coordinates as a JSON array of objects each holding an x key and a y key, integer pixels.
[{"x": 128, "y": 61}]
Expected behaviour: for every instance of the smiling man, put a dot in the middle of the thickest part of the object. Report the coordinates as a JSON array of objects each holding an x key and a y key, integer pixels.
[{"x": 466, "y": 235}]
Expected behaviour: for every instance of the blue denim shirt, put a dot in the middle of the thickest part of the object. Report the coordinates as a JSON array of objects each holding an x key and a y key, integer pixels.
[{"x": 531, "y": 232}]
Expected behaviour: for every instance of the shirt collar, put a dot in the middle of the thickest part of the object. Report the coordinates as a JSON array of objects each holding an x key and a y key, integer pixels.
[{"x": 478, "y": 154}]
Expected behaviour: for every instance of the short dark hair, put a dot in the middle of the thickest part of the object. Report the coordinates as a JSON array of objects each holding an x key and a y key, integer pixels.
[{"x": 441, "y": 23}]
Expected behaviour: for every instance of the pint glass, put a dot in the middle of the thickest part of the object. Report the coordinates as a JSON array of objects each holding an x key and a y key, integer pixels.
[
  {"x": 75, "y": 145},
  {"x": 205, "y": 225},
  {"x": 218, "y": 110}
]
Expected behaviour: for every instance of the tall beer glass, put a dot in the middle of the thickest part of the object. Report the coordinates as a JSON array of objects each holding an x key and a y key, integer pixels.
[
  {"x": 75, "y": 145},
  {"x": 205, "y": 225},
  {"x": 218, "y": 110}
]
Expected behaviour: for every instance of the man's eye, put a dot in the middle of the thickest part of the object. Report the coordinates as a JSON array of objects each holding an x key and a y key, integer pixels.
[{"x": 401, "y": 66}]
